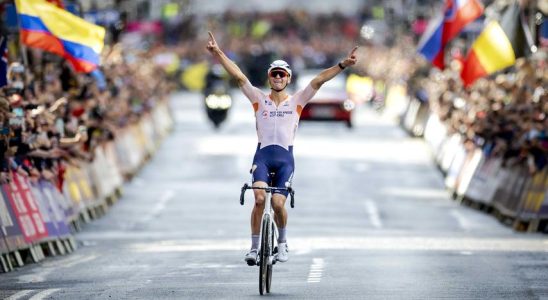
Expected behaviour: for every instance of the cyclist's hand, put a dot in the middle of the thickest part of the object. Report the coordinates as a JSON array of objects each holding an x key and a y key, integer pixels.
[
  {"x": 351, "y": 59},
  {"x": 212, "y": 46}
]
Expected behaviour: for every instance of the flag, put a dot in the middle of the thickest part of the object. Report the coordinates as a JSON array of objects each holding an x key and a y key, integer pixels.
[
  {"x": 58, "y": 3},
  {"x": 44, "y": 25},
  {"x": 443, "y": 28},
  {"x": 497, "y": 47},
  {"x": 3, "y": 61}
]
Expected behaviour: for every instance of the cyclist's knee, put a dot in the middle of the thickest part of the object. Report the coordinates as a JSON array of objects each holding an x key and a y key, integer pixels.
[
  {"x": 278, "y": 202},
  {"x": 259, "y": 200}
]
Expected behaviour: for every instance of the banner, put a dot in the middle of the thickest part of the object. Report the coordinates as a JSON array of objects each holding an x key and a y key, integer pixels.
[
  {"x": 535, "y": 197},
  {"x": 454, "y": 169},
  {"x": 469, "y": 168},
  {"x": 54, "y": 217},
  {"x": 484, "y": 182},
  {"x": 12, "y": 231},
  {"x": 5, "y": 222},
  {"x": 26, "y": 209}
]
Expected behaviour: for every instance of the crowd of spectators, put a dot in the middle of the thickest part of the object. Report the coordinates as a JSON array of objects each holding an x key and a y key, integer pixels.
[
  {"x": 504, "y": 114},
  {"x": 51, "y": 117},
  {"x": 253, "y": 40}
]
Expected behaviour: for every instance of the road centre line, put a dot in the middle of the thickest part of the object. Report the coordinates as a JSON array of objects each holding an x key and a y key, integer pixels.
[{"x": 316, "y": 270}]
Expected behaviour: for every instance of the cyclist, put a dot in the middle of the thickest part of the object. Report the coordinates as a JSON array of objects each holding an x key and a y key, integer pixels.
[{"x": 277, "y": 117}]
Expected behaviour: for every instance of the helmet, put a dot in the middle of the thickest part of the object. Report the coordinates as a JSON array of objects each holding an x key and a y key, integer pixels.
[{"x": 280, "y": 64}]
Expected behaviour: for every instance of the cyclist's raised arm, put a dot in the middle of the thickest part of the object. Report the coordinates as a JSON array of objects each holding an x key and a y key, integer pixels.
[
  {"x": 228, "y": 64},
  {"x": 329, "y": 73}
]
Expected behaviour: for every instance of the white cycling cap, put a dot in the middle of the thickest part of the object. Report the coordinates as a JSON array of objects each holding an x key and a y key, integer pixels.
[{"x": 280, "y": 64}]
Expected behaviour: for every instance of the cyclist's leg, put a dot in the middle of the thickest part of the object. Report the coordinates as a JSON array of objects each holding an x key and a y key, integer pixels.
[
  {"x": 256, "y": 213},
  {"x": 260, "y": 178},
  {"x": 284, "y": 174},
  {"x": 280, "y": 213}
]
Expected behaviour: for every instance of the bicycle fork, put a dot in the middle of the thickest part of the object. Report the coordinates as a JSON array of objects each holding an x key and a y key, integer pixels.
[{"x": 268, "y": 218}]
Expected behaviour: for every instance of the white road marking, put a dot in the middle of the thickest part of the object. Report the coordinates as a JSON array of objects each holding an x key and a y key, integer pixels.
[
  {"x": 416, "y": 192},
  {"x": 390, "y": 243},
  {"x": 302, "y": 251},
  {"x": 316, "y": 270},
  {"x": 83, "y": 260},
  {"x": 464, "y": 222},
  {"x": 44, "y": 294},
  {"x": 160, "y": 205},
  {"x": 19, "y": 295},
  {"x": 40, "y": 275},
  {"x": 373, "y": 213},
  {"x": 166, "y": 196}
]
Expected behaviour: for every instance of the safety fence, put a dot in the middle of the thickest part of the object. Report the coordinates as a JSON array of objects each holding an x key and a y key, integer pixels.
[
  {"x": 509, "y": 192},
  {"x": 37, "y": 219}
]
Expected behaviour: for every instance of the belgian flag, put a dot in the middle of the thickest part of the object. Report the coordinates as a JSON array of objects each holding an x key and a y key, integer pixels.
[{"x": 498, "y": 46}]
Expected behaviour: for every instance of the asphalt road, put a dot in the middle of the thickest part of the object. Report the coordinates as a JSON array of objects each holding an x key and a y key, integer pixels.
[{"x": 372, "y": 221}]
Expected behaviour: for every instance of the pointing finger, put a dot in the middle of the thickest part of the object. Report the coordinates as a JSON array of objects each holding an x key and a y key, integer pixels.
[
  {"x": 353, "y": 51},
  {"x": 211, "y": 36}
]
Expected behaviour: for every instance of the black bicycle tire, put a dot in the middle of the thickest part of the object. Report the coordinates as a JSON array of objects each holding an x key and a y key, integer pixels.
[
  {"x": 263, "y": 265},
  {"x": 271, "y": 266}
]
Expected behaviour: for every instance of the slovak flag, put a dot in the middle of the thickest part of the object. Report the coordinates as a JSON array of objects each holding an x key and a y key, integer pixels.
[
  {"x": 444, "y": 27},
  {"x": 3, "y": 61}
]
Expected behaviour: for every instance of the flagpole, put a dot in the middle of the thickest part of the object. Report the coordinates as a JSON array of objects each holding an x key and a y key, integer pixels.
[
  {"x": 22, "y": 47},
  {"x": 532, "y": 10},
  {"x": 24, "y": 54}
]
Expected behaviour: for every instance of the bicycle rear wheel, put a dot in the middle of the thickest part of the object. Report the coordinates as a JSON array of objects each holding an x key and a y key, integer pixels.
[{"x": 264, "y": 255}]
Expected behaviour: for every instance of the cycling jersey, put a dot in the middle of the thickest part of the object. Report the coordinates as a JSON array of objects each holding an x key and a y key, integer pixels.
[{"x": 277, "y": 125}]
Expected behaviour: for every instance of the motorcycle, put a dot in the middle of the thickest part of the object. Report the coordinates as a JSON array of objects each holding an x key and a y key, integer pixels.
[{"x": 217, "y": 97}]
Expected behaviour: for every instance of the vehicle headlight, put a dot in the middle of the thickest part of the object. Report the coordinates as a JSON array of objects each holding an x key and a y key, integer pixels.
[
  {"x": 218, "y": 101},
  {"x": 367, "y": 32},
  {"x": 348, "y": 105}
]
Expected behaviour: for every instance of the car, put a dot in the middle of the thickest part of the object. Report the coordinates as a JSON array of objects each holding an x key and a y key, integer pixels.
[{"x": 331, "y": 102}]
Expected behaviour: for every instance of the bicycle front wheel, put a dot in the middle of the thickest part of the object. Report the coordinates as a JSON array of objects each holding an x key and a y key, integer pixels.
[
  {"x": 264, "y": 254},
  {"x": 270, "y": 266}
]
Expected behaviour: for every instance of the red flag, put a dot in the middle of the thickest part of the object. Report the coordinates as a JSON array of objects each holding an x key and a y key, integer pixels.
[{"x": 458, "y": 14}]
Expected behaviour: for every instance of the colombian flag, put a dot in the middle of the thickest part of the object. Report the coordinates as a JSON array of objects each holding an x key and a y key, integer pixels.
[
  {"x": 44, "y": 25},
  {"x": 497, "y": 47}
]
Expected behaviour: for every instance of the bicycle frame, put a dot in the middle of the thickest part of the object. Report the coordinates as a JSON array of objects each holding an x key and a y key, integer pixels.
[{"x": 266, "y": 258}]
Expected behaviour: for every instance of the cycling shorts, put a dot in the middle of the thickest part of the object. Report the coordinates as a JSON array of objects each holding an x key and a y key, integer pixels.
[{"x": 274, "y": 158}]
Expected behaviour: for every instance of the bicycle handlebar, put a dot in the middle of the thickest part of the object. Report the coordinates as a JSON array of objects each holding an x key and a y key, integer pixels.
[{"x": 268, "y": 190}]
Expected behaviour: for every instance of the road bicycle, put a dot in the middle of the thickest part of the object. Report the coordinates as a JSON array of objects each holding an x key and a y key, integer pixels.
[{"x": 268, "y": 247}]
